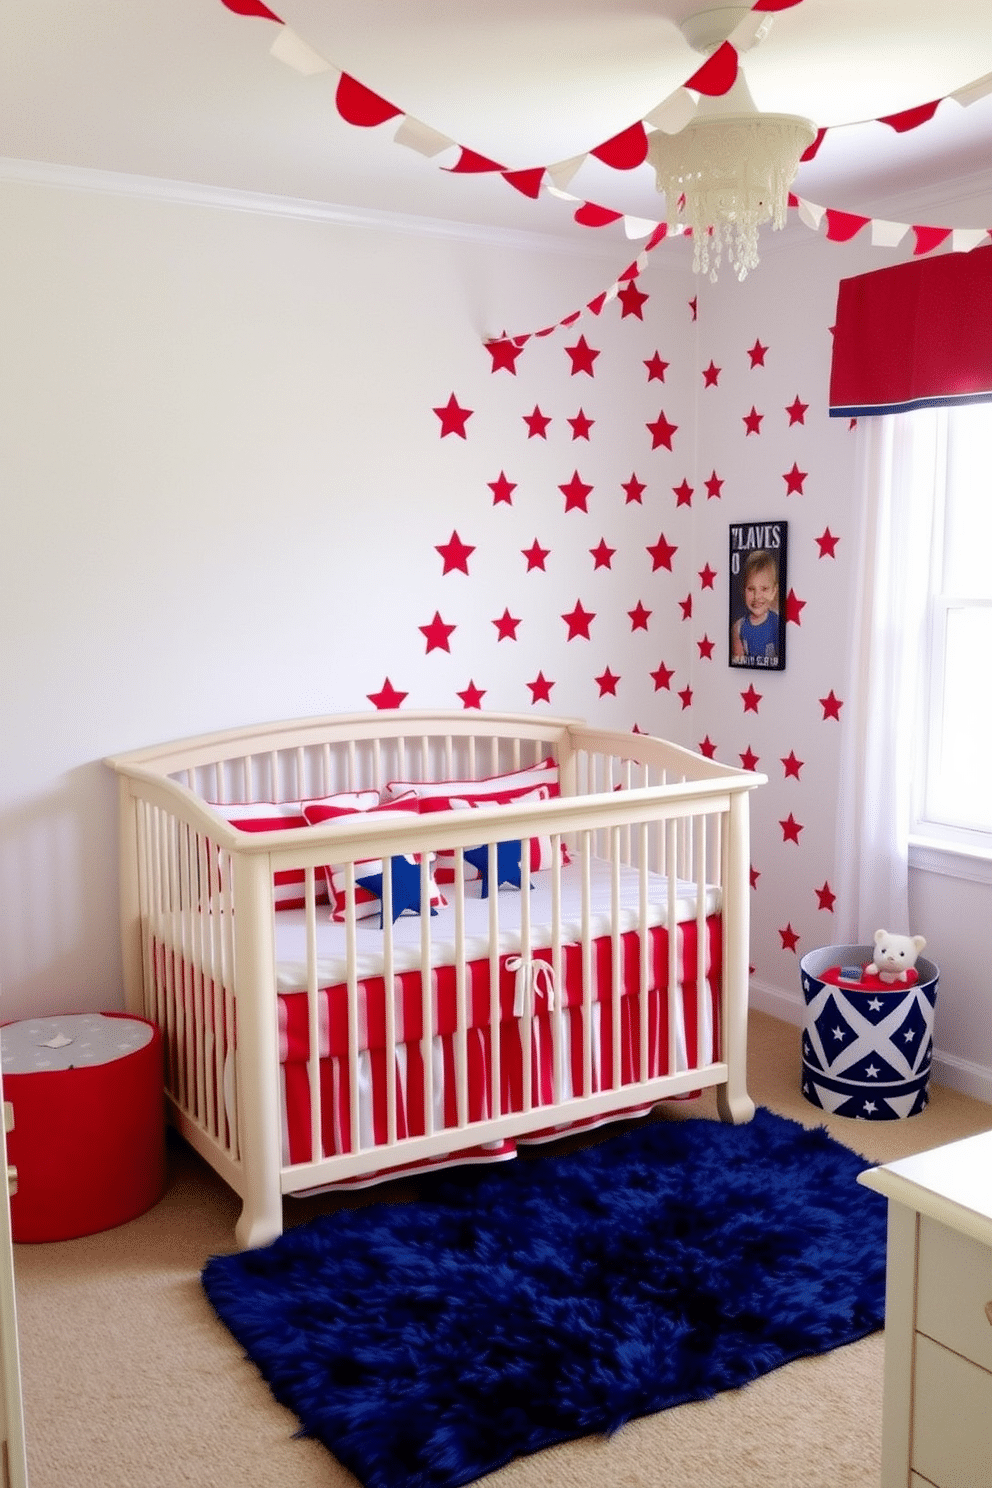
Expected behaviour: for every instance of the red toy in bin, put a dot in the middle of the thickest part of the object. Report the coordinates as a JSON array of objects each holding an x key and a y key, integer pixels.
[{"x": 88, "y": 1140}]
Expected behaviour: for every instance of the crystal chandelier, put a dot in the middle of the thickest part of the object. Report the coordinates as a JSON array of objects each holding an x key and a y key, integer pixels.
[{"x": 727, "y": 173}]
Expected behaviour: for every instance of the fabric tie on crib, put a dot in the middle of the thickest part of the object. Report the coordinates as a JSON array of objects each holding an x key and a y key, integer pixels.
[{"x": 536, "y": 976}]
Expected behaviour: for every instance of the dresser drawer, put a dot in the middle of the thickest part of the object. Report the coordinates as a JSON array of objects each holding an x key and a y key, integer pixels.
[
  {"x": 953, "y": 1291},
  {"x": 952, "y": 1419}
]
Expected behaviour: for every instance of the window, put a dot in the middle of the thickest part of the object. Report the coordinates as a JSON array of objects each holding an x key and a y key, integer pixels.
[{"x": 953, "y": 779}]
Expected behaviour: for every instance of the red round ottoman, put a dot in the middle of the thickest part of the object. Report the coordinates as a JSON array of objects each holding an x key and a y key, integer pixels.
[{"x": 88, "y": 1140}]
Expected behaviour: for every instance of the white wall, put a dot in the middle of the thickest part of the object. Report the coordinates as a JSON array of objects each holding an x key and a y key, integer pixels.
[{"x": 223, "y": 487}]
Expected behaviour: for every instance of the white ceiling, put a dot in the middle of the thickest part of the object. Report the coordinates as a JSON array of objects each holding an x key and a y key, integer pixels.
[{"x": 186, "y": 90}]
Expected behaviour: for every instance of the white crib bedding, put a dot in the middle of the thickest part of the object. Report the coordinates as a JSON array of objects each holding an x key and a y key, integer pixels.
[{"x": 332, "y": 961}]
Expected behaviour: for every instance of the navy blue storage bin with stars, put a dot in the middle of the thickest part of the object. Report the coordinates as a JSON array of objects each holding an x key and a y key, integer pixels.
[{"x": 867, "y": 1047}]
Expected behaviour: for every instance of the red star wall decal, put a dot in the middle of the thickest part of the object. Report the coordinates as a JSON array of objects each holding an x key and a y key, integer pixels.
[
  {"x": 705, "y": 648},
  {"x": 633, "y": 490},
  {"x": 582, "y": 356},
  {"x": 472, "y": 696},
  {"x": 791, "y": 765},
  {"x": 796, "y": 411},
  {"x": 707, "y": 576},
  {"x": 751, "y": 699},
  {"x": 455, "y": 554},
  {"x": 387, "y": 696},
  {"x": 755, "y": 875},
  {"x": 537, "y": 424},
  {"x": 453, "y": 417},
  {"x": 662, "y": 678},
  {"x": 752, "y": 421},
  {"x": 708, "y": 748},
  {"x": 540, "y": 689},
  {"x": 502, "y": 489},
  {"x": 607, "y": 683},
  {"x": 789, "y": 938},
  {"x": 693, "y": 308},
  {"x": 749, "y": 760},
  {"x": 794, "y": 480},
  {"x": 576, "y": 493},
  {"x": 639, "y": 617},
  {"x": 578, "y": 621},
  {"x": 580, "y": 425},
  {"x": 504, "y": 355},
  {"x": 826, "y": 542},
  {"x": 602, "y": 556},
  {"x": 711, "y": 375},
  {"x": 683, "y": 494},
  {"x": 826, "y": 898},
  {"x": 831, "y": 705},
  {"x": 506, "y": 626},
  {"x": 631, "y": 300},
  {"x": 656, "y": 368},
  {"x": 790, "y": 828},
  {"x": 437, "y": 634},
  {"x": 685, "y": 605},
  {"x": 794, "y": 607},
  {"x": 757, "y": 354},
  {"x": 686, "y": 697},
  {"x": 662, "y": 553},
  {"x": 661, "y": 432},
  {"x": 535, "y": 555},
  {"x": 714, "y": 487}
]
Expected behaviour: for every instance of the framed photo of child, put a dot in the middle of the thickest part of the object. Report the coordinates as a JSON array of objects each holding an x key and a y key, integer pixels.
[{"x": 758, "y": 586}]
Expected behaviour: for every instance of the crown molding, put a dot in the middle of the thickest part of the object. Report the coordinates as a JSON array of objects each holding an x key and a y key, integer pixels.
[{"x": 190, "y": 193}]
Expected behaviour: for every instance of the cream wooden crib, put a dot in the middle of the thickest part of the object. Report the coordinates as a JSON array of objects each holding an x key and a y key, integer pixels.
[{"x": 606, "y": 971}]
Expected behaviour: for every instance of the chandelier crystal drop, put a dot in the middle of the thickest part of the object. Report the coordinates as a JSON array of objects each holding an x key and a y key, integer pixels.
[{"x": 724, "y": 177}]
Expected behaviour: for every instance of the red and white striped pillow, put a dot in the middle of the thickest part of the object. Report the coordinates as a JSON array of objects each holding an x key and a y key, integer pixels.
[
  {"x": 544, "y": 773},
  {"x": 540, "y": 847},
  {"x": 271, "y": 816},
  {"x": 367, "y": 903}
]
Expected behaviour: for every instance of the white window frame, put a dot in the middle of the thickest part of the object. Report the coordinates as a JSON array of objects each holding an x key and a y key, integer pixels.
[{"x": 938, "y": 845}]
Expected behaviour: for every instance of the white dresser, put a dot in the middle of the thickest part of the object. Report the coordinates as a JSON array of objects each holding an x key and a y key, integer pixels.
[{"x": 937, "y": 1411}]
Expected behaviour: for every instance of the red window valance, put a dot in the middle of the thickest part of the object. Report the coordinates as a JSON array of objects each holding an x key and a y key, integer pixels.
[{"x": 913, "y": 336}]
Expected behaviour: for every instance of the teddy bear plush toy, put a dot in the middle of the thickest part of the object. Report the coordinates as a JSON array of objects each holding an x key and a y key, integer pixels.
[{"x": 894, "y": 956}]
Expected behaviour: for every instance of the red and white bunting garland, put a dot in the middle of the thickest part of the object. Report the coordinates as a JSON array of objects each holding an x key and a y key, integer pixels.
[{"x": 361, "y": 107}]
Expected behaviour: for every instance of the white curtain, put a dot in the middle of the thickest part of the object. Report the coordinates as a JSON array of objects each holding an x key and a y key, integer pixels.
[{"x": 900, "y": 459}]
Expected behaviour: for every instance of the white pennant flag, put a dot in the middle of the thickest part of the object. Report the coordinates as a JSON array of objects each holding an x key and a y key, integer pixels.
[
  {"x": 673, "y": 113},
  {"x": 638, "y": 227},
  {"x": 294, "y": 51},
  {"x": 810, "y": 213},
  {"x": 963, "y": 239},
  {"x": 563, "y": 171},
  {"x": 887, "y": 234},
  {"x": 421, "y": 137}
]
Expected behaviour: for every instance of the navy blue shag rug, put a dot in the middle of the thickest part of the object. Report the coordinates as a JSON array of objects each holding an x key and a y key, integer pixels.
[{"x": 514, "y": 1306}]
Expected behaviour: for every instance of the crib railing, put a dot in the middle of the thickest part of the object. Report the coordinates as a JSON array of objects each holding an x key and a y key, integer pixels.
[{"x": 199, "y": 928}]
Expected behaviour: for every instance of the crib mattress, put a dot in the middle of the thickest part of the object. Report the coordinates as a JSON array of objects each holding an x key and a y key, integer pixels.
[{"x": 332, "y": 962}]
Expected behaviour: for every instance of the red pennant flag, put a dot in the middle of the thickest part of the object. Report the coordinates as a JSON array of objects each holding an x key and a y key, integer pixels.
[
  {"x": 625, "y": 151},
  {"x": 774, "y": 4},
  {"x": 251, "y": 8},
  {"x": 661, "y": 231},
  {"x": 469, "y": 163},
  {"x": 929, "y": 238},
  {"x": 911, "y": 118},
  {"x": 843, "y": 226},
  {"x": 597, "y": 304},
  {"x": 526, "y": 181},
  {"x": 359, "y": 105},
  {"x": 589, "y": 215},
  {"x": 718, "y": 73},
  {"x": 811, "y": 151}
]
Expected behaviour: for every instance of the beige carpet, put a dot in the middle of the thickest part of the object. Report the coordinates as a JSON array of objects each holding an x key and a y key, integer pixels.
[{"x": 130, "y": 1381}]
